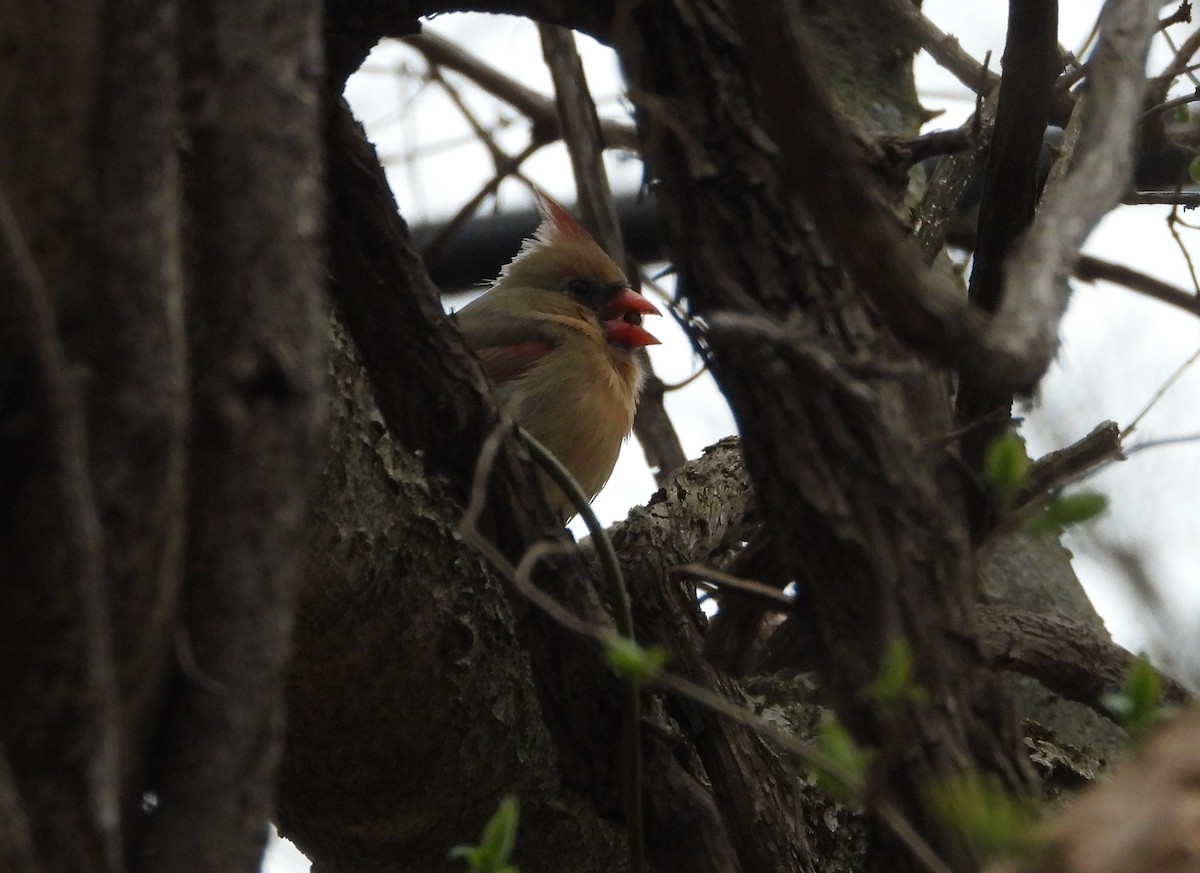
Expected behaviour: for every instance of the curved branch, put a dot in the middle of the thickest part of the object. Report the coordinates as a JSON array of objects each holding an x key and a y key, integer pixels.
[{"x": 1066, "y": 656}]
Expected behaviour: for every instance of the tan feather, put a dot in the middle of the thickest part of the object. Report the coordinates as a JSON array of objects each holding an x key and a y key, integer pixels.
[{"x": 564, "y": 374}]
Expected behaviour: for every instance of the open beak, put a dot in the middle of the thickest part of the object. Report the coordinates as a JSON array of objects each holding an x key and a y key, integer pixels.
[{"x": 621, "y": 317}]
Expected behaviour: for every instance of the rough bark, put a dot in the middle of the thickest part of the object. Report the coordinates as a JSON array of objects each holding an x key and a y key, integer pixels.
[
  {"x": 412, "y": 708},
  {"x": 837, "y": 460},
  {"x": 253, "y": 174},
  {"x": 101, "y": 503}
]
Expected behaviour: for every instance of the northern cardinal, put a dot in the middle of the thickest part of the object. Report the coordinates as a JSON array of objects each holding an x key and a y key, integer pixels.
[{"x": 556, "y": 333}]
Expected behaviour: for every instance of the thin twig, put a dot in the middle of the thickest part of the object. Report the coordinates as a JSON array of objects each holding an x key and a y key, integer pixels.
[
  {"x": 618, "y": 594},
  {"x": 766, "y": 595},
  {"x": 1181, "y": 439},
  {"x": 1181, "y": 62},
  {"x": 1168, "y": 105},
  {"x": 1172, "y": 220},
  {"x": 468, "y": 528},
  {"x": 451, "y": 227},
  {"x": 1186, "y": 199},
  {"x": 609, "y": 565},
  {"x": 499, "y": 156},
  {"x": 683, "y": 383},
  {"x": 537, "y": 107},
  {"x": 1091, "y": 269},
  {"x": 1182, "y": 53},
  {"x": 1158, "y": 395}
]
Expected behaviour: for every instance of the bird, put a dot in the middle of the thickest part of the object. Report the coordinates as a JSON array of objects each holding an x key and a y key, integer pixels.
[{"x": 557, "y": 334}]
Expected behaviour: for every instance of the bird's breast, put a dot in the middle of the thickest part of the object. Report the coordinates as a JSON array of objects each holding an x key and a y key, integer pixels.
[{"x": 579, "y": 402}]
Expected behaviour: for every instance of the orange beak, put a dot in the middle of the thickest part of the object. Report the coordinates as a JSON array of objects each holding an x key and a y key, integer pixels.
[{"x": 621, "y": 317}]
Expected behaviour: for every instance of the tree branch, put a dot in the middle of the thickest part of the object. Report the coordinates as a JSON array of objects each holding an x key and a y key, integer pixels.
[
  {"x": 581, "y": 129},
  {"x": 257, "y": 352},
  {"x": 1010, "y": 193},
  {"x": 1066, "y": 656},
  {"x": 701, "y": 512},
  {"x": 536, "y": 107},
  {"x": 942, "y": 47},
  {"x": 1036, "y": 287},
  {"x": 832, "y": 444}
]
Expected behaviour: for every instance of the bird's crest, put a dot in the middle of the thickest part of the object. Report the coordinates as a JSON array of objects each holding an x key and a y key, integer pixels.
[
  {"x": 560, "y": 248},
  {"x": 558, "y": 224}
]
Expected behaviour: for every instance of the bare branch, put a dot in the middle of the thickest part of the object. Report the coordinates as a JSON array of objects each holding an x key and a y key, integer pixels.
[
  {"x": 1010, "y": 193},
  {"x": 942, "y": 47},
  {"x": 1055, "y": 469},
  {"x": 1093, "y": 269},
  {"x": 504, "y": 169},
  {"x": 1036, "y": 289},
  {"x": 537, "y": 107},
  {"x": 581, "y": 128},
  {"x": 1066, "y": 656}
]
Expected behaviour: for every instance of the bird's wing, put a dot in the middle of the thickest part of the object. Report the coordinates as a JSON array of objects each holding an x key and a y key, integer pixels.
[{"x": 508, "y": 362}]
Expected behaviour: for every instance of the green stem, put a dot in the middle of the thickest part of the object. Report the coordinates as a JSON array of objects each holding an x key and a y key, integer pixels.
[{"x": 631, "y": 746}]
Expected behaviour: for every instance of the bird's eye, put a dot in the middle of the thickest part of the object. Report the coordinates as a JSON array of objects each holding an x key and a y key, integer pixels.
[{"x": 578, "y": 288}]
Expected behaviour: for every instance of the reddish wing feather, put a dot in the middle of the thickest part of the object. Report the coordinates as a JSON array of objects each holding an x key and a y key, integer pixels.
[{"x": 505, "y": 363}]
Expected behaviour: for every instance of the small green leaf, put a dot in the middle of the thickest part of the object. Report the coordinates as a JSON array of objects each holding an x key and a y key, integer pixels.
[
  {"x": 849, "y": 762},
  {"x": 895, "y": 678},
  {"x": 1006, "y": 466},
  {"x": 984, "y": 815},
  {"x": 500, "y": 833},
  {"x": 496, "y": 844},
  {"x": 1067, "y": 510},
  {"x": 1183, "y": 114},
  {"x": 638, "y": 664},
  {"x": 1194, "y": 169},
  {"x": 1139, "y": 704}
]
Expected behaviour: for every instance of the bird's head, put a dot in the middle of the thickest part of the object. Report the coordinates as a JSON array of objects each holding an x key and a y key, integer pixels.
[{"x": 566, "y": 268}]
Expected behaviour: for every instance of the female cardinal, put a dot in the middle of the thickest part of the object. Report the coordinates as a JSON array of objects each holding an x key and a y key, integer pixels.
[{"x": 556, "y": 333}]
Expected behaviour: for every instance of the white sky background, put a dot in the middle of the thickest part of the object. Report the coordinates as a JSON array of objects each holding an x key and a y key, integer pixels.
[{"x": 1118, "y": 348}]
